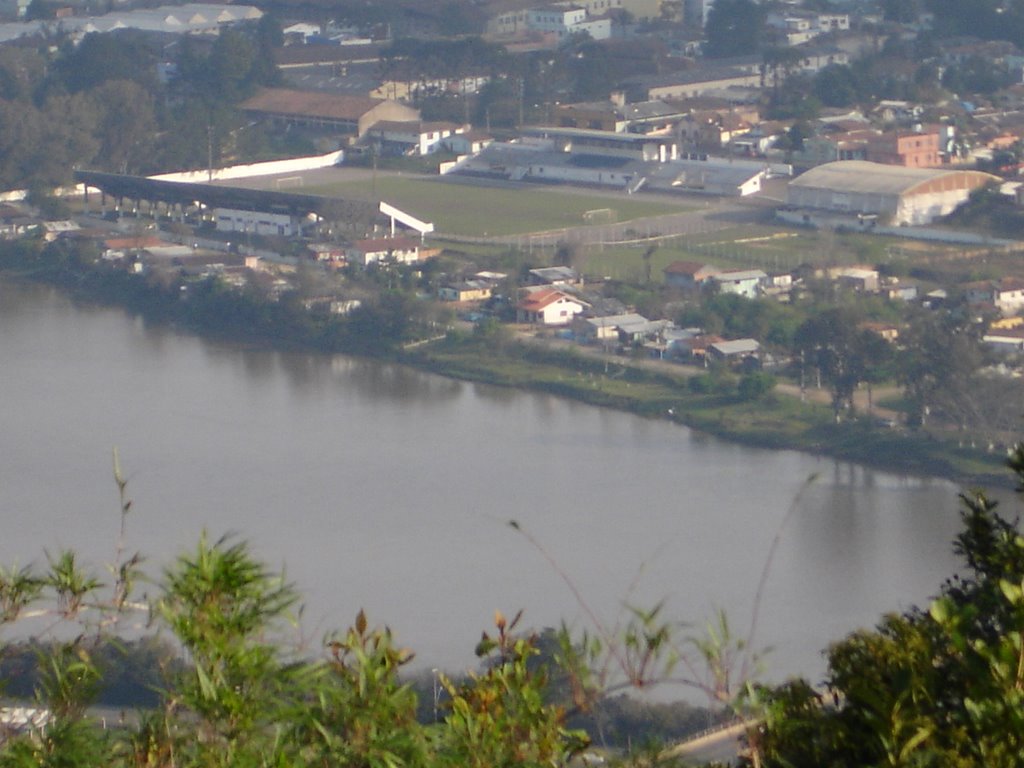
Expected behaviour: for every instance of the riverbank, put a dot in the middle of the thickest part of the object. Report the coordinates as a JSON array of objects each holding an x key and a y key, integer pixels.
[
  {"x": 774, "y": 420},
  {"x": 707, "y": 402}
]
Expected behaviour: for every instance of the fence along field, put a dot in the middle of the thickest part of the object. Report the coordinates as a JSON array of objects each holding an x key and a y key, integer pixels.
[{"x": 540, "y": 219}]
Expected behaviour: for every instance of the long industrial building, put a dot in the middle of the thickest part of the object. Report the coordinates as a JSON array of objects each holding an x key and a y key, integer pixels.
[{"x": 895, "y": 194}]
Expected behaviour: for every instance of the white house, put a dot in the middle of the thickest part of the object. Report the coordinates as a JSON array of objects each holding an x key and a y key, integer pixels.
[
  {"x": 799, "y": 27},
  {"x": 1007, "y": 295},
  {"x": 548, "y": 307},
  {"x": 382, "y": 249},
  {"x": 736, "y": 349},
  {"x": 560, "y": 20},
  {"x": 410, "y": 138},
  {"x": 468, "y": 142},
  {"x": 598, "y": 29},
  {"x": 557, "y": 20},
  {"x": 1004, "y": 340},
  {"x": 746, "y": 282}
]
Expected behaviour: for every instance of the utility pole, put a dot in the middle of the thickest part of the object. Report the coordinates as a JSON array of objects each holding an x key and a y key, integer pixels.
[
  {"x": 521, "y": 85},
  {"x": 373, "y": 178},
  {"x": 803, "y": 381}
]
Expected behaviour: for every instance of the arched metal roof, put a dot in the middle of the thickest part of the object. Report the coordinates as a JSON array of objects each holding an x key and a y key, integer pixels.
[{"x": 863, "y": 177}]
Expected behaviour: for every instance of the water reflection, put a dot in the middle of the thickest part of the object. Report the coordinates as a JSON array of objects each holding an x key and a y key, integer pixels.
[
  {"x": 497, "y": 396},
  {"x": 386, "y": 488}
]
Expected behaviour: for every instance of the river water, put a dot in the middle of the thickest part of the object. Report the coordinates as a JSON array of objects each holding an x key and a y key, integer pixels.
[{"x": 379, "y": 487}]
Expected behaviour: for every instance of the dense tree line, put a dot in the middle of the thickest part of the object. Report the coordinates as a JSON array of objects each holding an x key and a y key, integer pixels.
[
  {"x": 524, "y": 85},
  {"x": 936, "y": 360},
  {"x": 734, "y": 28},
  {"x": 102, "y": 104},
  {"x": 900, "y": 69},
  {"x": 987, "y": 19},
  {"x": 379, "y": 326},
  {"x": 133, "y": 671}
]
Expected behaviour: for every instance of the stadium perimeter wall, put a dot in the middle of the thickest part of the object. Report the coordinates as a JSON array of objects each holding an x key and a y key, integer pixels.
[{"x": 269, "y": 168}]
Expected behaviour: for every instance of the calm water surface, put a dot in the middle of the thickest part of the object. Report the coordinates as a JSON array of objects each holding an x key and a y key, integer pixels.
[{"x": 379, "y": 487}]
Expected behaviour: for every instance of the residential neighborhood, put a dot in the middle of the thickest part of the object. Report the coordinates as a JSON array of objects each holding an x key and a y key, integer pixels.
[{"x": 868, "y": 158}]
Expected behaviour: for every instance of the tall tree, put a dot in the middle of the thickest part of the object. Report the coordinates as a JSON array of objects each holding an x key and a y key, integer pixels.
[
  {"x": 19, "y": 139},
  {"x": 832, "y": 342},
  {"x": 67, "y": 137},
  {"x": 119, "y": 55},
  {"x": 126, "y": 127},
  {"x": 836, "y": 86},
  {"x": 937, "y": 369},
  {"x": 901, "y": 10},
  {"x": 734, "y": 28},
  {"x": 21, "y": 72}
]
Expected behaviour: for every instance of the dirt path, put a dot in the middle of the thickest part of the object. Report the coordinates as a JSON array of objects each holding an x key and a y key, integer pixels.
[
  {"x": 527, "y": 335},
  {"x": 860, "y": 398}
]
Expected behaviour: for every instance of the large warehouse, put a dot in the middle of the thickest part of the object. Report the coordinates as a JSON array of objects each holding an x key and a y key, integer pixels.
[{"x": 896, "y": 194}]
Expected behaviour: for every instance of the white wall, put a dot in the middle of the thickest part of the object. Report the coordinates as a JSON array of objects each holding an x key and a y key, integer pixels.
[
  {"x": 923, "y": 209},
  {"x": 255, "y": 222},
  {"x": 257, "y": 169},
  {"x": 576, "y": 175}
]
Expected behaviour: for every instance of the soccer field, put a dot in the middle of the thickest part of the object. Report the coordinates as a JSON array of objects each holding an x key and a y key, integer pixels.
[{"x": 469, "y": 209}]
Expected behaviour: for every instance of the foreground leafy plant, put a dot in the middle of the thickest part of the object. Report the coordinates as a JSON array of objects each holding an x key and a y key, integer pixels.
[{"x": 943, "y": 686}]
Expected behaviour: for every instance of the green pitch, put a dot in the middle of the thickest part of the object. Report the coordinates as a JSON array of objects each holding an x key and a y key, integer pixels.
[{"x": 468, "y": 209}]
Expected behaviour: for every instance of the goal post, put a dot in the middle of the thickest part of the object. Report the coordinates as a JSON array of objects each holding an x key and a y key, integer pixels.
[{"x": 600, "y": 216}]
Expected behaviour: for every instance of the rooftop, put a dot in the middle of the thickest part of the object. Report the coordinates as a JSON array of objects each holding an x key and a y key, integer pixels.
[
  {"x": 386, "y": 244},
  {"x": 310, "y": 104},
  {"x": 861, "y": 176},
  {"x": 739, "y": 274},
  {"x": 537, "y": 300},
  {"x": 687, "y": 268}
]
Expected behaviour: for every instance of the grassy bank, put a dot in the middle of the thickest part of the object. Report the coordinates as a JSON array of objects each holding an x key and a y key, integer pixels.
[{"x": 773, "y": 421}]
